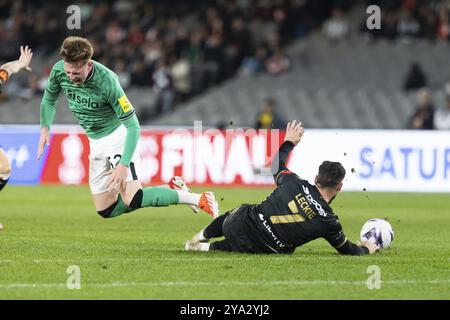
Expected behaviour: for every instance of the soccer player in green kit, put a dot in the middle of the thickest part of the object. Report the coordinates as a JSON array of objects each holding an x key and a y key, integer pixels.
[{"x": 97, "y": 100}]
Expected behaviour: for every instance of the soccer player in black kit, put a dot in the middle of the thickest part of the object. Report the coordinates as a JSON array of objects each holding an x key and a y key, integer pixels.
[{"x": 295, "y": 213}]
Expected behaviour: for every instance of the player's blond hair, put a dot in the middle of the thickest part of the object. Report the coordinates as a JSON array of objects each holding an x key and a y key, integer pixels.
[{"x": 76, "y": 49}]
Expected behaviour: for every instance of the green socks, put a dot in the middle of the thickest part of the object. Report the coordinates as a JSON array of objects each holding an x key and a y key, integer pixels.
[
  {"x": 147, "y": 197},
  {"x": 159, "y": 197}
]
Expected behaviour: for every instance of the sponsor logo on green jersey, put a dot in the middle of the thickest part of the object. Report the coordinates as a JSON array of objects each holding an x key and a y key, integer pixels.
[{"x": 81, "y": 100}]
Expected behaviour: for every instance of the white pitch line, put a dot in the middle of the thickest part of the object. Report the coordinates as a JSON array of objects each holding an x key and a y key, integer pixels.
[
  {"x": 290, "y": 258},
  {"x": 213, "y": 259},
  {"x": 215, "y": 284}
]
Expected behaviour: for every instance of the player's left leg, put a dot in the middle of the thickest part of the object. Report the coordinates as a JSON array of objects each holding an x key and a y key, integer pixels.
[
  {"x": 5, "y": 169},
  {"x": 213, "y": 230},
  {"x": 234, "y": 227},
  {"x": 199, "y": 241},
  {"x": 223, "y": 245}
]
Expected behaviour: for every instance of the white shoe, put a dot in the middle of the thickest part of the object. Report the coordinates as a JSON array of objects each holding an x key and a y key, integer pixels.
[
  {"x": 177, "y": 183},
  {"x": 196, "y": 246}
]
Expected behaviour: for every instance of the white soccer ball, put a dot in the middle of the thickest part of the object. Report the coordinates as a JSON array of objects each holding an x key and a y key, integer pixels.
[{"x": 378, "y": 231}]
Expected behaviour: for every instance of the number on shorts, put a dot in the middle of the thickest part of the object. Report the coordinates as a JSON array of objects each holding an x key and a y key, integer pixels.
[{"x": 114, "y": 164}]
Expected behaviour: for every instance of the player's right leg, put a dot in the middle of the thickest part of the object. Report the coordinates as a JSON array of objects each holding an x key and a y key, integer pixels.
[
  {"x": 5, "y": 169},
  {"x": 160, "y": 196},
  {"x": 177, "y": 183},
  {"x": 110, "y": 204}
]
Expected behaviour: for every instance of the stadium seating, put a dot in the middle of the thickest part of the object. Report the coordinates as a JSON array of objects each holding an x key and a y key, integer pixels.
[
  {"x": 348, "y": 85},
  {"x": 353, "y": 84}
]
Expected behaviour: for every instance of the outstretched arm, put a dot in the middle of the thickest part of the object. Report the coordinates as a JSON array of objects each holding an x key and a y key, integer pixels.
[
  {"x": 127, "y": 115},
  {"x": 9, "y": 68},
  {"x": 336, "y": 238},
  {"x": 294, "y": 133},
  {"x": 48, "y": 109},
  {"x": 350, "y": 248}
]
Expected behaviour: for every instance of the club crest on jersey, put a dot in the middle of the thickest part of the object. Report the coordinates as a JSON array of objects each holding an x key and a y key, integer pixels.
[
  {"x": 125, "y": 104},
  {"x": 85, "y": 102}
]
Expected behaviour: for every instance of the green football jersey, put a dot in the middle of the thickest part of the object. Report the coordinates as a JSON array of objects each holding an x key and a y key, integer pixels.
[{"x": 99, "y": 104}]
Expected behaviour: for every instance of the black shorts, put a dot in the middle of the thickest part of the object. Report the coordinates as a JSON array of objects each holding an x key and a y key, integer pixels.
[{"x": 241, "y": 232}]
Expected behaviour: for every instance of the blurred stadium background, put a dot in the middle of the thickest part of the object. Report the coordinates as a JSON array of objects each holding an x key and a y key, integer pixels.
[{"x": 182, "y": 61}]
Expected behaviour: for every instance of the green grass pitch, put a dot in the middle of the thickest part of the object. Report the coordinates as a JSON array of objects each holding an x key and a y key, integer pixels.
[{"x": 139, "y": 255}]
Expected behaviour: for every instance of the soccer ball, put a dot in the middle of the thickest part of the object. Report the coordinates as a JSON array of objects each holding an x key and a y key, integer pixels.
[{"x": 378, "y": 231}]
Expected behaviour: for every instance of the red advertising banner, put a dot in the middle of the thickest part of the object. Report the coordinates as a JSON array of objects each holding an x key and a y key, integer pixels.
[
  {"x": 67, "y": 160},
  {"x": 230, "y": 157}
]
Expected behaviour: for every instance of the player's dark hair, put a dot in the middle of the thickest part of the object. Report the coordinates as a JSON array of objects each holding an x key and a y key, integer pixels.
[
  {"x": 76, "y": 49},
  {"x": 330, "y": 174}
]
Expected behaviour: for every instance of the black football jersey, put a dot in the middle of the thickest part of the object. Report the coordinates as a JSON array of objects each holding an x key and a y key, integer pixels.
[{"x": 298, "y": 213}]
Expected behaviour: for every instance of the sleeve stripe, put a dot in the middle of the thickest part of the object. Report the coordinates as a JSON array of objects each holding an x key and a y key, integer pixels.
[
  {"x": 128, "y": 116},
  {"x": 285, "y": 171},
  {"x": 345, "y": 240},
  {"x": 50, "y": 91},
  {"x": 276, "y": 179}
]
